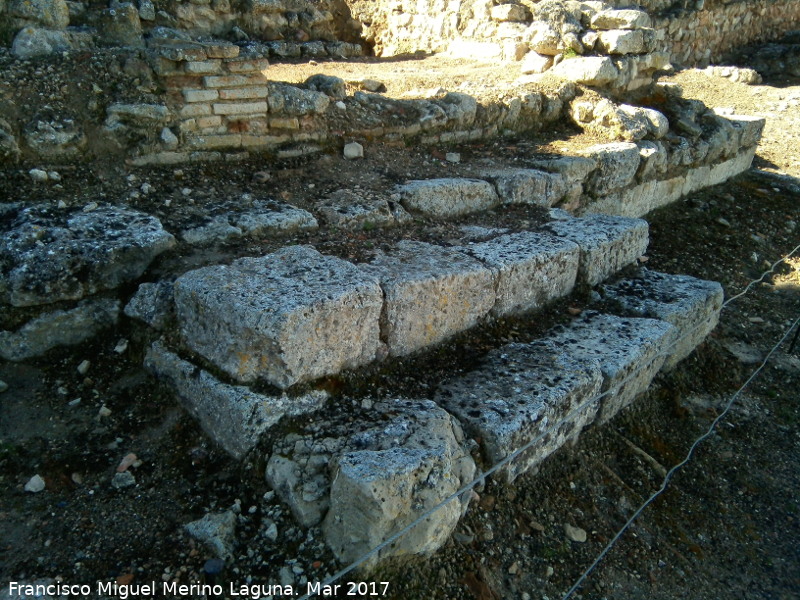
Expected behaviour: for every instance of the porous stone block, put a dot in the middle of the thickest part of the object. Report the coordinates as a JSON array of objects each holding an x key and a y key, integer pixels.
[
  {"x": 588, "y": 70},
  {"x": 629, "y": 352},
  {"x": 296, "y": 102},
  {"x": 59, "y": 328},
  {"x": 291, "y": 316},
  {"x": 748, "y": 128},
  {"x": 431, "y": 293},
  {"x": 607, "y": 243},
  {"x": 617, "y": 164},
  {"x": 620, "y": 41},
  {"x": 530, "y": 269},
  {"x": 527, "y": 186},
  {"x": 350, "y": 210},
  {"x": 230, "y": 81},
  {"x": 393, "y": 479},
  {"x": 152, "y": 304},
  {"x": 50, "y": 254},
  {"x": 232, "y": 415},
  {"x": 692, "y": 305},
  {"x": 447, "y": 197},
  {"x": 620, "y": 19},
  {"x": 203, "y": 67},
  {"x": 246, "y": 65},
  {"x": 522, "y": 394}
]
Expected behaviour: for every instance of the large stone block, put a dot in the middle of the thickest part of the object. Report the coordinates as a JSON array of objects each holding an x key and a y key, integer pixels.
[
  {"x": 59, "y": 328},
  {"x": 287, "y": 317},
  {"x": 691, "y": 305},
  {"x": 620, "y": 19},
  {"x": 431, "y": 293},
  {"x": 608, "y": 243},
  {"x": 617, "y": 164},
  {"x": 232, "y": 415},
  {"x": 447, "y": 197},
  {"x": 588, "y": 70},
  {"x": 527, "y": 186},
  {"x": 629, "y": 351},
  {"x": 381, "y": 488},
  {"x": 49, "y": 254},
  {"x": 522, "y": 394},
  {"x": 53, "y": 14},
  {"x": 620, "y": 41},
  {"x": 530, "y": 269}
]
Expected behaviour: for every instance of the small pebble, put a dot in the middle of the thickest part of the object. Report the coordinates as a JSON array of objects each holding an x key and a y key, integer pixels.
[
  {"x": 575, "y": 534},
  {"x": 123, "y": 480},
  {"x": 353, "y": 150},
  {"x": 75, "y": 402},
  {"x": 90, "y": 207},
  {"x": 62, "y": 204},
  {"x": 127, "y": 461},
  {"x": 121, "y": 346},
  {"x": 77, "y": 478},
  {"x": 54, "y": 176},
  {"x": 724, "y": 222},
  {"x": 35, "y": 484},
  {"x": 83, "y": 368},
  {"x": 3, "y": 386},
  {"x": 38, "y": 175},
  {"x": 453, "y": 157},
  {"x": 104, "y": 412}
]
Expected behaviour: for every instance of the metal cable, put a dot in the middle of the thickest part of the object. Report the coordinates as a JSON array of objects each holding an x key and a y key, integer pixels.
[{"x": 672, "y": 471}]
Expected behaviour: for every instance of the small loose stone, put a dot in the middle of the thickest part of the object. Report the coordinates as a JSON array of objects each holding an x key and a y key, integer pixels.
[
  {"x": 3, "y": 386},
  {"x": 83, "y": 368},
  {"x": 353, "y": 150},
  {"x": 575, "y": 534},
  {"x": 35, "y": 484}
]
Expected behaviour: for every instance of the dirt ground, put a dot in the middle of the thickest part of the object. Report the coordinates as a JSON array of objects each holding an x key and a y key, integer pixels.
[{"x": 727, "y": 526}]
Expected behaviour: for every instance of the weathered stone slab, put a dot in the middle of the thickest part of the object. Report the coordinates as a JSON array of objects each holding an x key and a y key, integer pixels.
[
  {"x": 519, "y": 392},
  {"x": 431, "y": 293},
  {"x": 381, "y": 488},
  {"x": 608, "y": 243},
  {"x": 447, "y": 197},
  {"x": 232, "y": 415},
  {"x": 287, "y": 317},
  {"x": 530, "y": 269},
  {"x": 616, "y": 167},
  {"x": 692, "y": 305},
  {"x": 748, "y": 128},
  {"x": 49, "y": 254},
  {"x": 265, "y": 218},
  {"x": 153, "y": 304},
  {"x": 350, "y": 210},
  {"x": 629, "y": 352},
  {"x": 58, "y": 328},
  {"x": 527, "y": 186}
]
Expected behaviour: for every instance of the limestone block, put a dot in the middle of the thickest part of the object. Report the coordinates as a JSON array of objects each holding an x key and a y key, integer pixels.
[
  {"x": 294, "y": 101},
  {"x": 59, "y": 138},
  {"x": 544, "y": 38},
  {"x": 749, "y": 129},
  {"x": 141, "y": 115},
  {"x": 573, "y": 168},
  {"x": 608, "y": 243},
  {"x": 232, "y": 415},
  {"x": 382, "y": 487},
  {"x": 510, "y": 12},
  {"x": 617, "y": 164},
  {"x": 430, "y": 294},
  {"x": 9, "y": 148},
  {"x": 58, "y": 328},
  {"x": 652, "y": 159},
  {"x": 621, "y": 41},
  {"x": 588, "y": 70},
  {"x": 200, "y": 95},
  {"x": 620, "y": 19},
  {"x": 536, "y": 63},
  {"x": 290, "y": 316},
  {"x": 240, "y": 108},
  {"x": 121, "y": 26},
  {"x": 447, "y": 197},
  {"x": 527, "y": 186},
  {"x": 329, "y": 85},
  {"x": 629, "y": 352},
  {"x": 51, "y": 254},
  {"x": 691, "y": 305},
  {"x": 535, "y": 394},
  {"x": 350, "y": 210},
  {"x": 153, "y": 304},
  {"x": 51, "y": 14},
  {"x": 530, "y": 269},
  {"x": 31, "y": 42}
]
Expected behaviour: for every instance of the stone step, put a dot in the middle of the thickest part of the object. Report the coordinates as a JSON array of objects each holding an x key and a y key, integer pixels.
[
  {"x": 297, "y": 315},
  {"x": 372, "y": 468}
]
